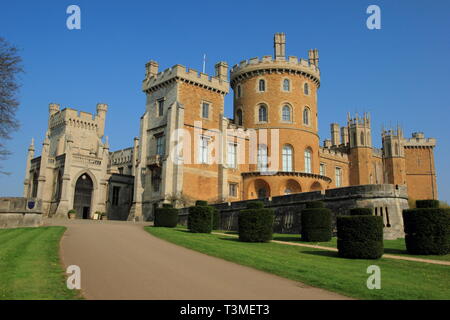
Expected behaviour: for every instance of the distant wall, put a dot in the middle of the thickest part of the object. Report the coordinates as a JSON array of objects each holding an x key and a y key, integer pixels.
[
  {"x": 20, "y": 212},
  {"x": 384, "y": 199}
]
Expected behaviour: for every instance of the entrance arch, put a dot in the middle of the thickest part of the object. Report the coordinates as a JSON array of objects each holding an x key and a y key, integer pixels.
[
  {"x": 316, "y": 186},
  {"x": 83, "y": 196}
]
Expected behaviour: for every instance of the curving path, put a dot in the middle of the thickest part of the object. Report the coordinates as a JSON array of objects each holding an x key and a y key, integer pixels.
[{"x": 120, "y": 260}]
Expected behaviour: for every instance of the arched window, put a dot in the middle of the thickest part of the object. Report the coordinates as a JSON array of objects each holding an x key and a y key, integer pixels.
[
  {"x": 286, "y": 85},
  {"x": 306, "y": 116},
  {"x": 306, "y": 88},
  {"x": 262, "y": 85},
  {"x": 262, "y": 157},
  {"x": 362, "y": 138},
  {"x": 286, "y": 113},
  {"x": 308, "y": 161},
  {"x": 262, "y": 113},
  {"x": 287, "y": 158},
  {"x": 239, "y": 117}
]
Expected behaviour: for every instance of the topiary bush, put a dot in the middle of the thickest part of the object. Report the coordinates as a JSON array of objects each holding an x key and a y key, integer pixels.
[
  {"x": 361, "y": 212},
  {"x": 200, "y": 218},
  {"x": 216, "y": 219},
  {"x": 167, "y": 216},
  {"x": 201, "y": 203},
  {"x": 256, "y": 223},
  {"x": 316, "y": 224},
  {"x": 427, "y": 203},
  {"x": 427, "y": 230},
  {"x": 360, "y": 236},
  {"x": 315, "y": 204}
]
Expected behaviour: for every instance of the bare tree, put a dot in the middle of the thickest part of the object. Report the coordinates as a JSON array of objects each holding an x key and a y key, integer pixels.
[{"x": 10, "y": 68}]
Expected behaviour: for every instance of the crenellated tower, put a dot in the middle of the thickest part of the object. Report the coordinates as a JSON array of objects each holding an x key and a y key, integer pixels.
[
  {"x": 360, "y": 146},
  {"x": 394, "y": 156}
]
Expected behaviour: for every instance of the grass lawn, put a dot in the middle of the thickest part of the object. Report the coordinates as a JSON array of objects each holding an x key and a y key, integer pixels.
[
  {"x": 319, "y": 268},
  {"x": 29, "y": 264}
]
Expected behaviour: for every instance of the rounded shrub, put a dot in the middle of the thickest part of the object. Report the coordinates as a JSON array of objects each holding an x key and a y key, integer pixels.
[
  {"x": 360, "y": 236},
  {"x": 427, "y": 203},
  {"x": 200, "y": 218},
  {"x": 427, "y": 230},
  {"x": 361, "y": 212},
  {"x": 314, "y": 204},
  {"x": 256, "y": 224},
  {"x": 316, "y": 224},
  {"x": 167, "y": 216}
]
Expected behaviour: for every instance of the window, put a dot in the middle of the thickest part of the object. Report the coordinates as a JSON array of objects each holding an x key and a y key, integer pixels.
[
  {"x": 286, "y": 113},
  {"x": 262, "y": 157},
  {"x": 239, "y": 91},
  {"x": 239, "y": 117},
  {"x": 262, "y": 113},
  {"x": 262, "y": 85},
  {"x": 232, "y": 189},
  {"x": 308, "y": 161},
  {"x": 287, "y": 191},
  {"x": 156, "y": 179},
  {"x": 287, "y": 158},
  {"x": 115, "y": 196},
  {"x": 203, "y": 150},
  {"x": 120, "y": 170},
  {"x": 322, "y": 169},
  {"x": 306, "y": 116},
  {"x": 362, "y": 138},
  {"x": 306, "y": 89},
  {"x": 338, "y": 177},
  {"x": 231, "y": 161},
  {"x": 205, "y": 110},
  {"x": 160, "y": 107},
  {"x": 286, "y": 85},
  {"x": 160, "y": 145}
]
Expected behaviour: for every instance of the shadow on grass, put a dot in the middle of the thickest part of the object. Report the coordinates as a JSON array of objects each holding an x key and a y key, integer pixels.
[
  {"x": 322, "y": 253},
  {"x": 287, "y": 239},
  {"x": 395, "y": 251}
]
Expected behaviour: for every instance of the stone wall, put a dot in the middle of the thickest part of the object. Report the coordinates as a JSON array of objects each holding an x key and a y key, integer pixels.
[
  {"x": 384, "y": 199},
  {"x": 20, "y": 212}
]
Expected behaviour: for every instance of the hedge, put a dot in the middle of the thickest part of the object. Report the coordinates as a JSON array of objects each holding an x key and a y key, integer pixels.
[
  {"x": 427, "y": 230},
  {"x": 166, "y": 216},
  {"x": 360, "y": 236},
  {"x": 200, "y": 218},
  {"x": 316, "y": 224},
  {"x": 201, "y": 203},
  {"x": 427, "y": 203},
  {"x": 314, "y": 204},
  {"x": 255, "y": 225},
  {"x": 216, "y": 219},
  {"x": 361, "y": 212},
  {"x": 255, "y": 205}
]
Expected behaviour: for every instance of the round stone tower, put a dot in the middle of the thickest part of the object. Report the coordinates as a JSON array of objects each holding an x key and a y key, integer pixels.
[{"x": 279, "y": 94}]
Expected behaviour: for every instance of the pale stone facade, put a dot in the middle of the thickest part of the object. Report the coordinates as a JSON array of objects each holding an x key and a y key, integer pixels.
[{"x": 188, "y": 150}]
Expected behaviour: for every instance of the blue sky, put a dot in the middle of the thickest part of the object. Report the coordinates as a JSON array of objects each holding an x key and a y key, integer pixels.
[{"x": 400, "y": 74}]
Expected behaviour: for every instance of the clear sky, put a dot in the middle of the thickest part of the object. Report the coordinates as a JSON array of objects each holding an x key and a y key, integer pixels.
[{"x": 400, "y": 73}]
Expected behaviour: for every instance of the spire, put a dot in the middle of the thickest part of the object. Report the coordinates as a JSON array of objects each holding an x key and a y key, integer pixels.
[{"x": 31, "y": 147}]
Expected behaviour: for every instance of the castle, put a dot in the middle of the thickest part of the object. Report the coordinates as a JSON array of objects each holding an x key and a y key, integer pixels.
[{"x": 188, "y": 149}]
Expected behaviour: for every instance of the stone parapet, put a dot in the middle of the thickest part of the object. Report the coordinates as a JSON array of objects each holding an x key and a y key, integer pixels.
[{"x": 18, "y": 212}]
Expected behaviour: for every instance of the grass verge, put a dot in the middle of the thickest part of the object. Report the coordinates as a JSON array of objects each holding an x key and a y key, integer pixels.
[
  {"x": 30, "y": 268},
  {"x": 319, "y": 268}
]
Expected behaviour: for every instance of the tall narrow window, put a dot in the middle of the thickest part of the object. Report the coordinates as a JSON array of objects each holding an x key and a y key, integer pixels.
[
  {"x": 205, "y": 110},
  {"x": 308, "y": 161},
  {"x": 160, "y": 107},
  {"x": 322, "y": 169},
  {"x": 306, "y": 88},
  {"x": 362, "y": 138},
  {"x": 232, "y": 156},
  {"x": 232, "y": 189},
  {"x": 306, "y": 116},
  {"x": 262, "y": 85},
  {"x": 239, "y": 91},
  {"x": 160, "y": 145},
  {"x": 262, "y": 113},
  {"x": 262, "y": 157},
  {"x": 287, "y": 158},
  {"x": 115, "y": 196},
  {"x": 203, "y": 150},
  {"x": 239, "y": 117},
  {"x": 286, "y": 113},
  {"x": 34, "y": 185},
  {"x": 286, "y": 85},
  {"x": 338, "y": 177}
]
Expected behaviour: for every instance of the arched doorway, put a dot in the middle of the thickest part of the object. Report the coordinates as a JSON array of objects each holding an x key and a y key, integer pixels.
[
  {"x": 290, "y": 186},
  {"x": 316, "y": 186},
  {"x": 83, "y": 196},
  {"x": 262, "y": 189}
]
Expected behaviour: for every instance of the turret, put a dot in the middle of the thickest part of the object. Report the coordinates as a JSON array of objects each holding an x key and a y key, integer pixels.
[
  {"x": 102, "y": 108},
  {"x": 222, "y": 70},
  {"x": 335, "y": 138},
  {"x": 360, "y": 149},
  {"x": 151, "y": 69},
  {"x": 313, "y": 56},
  {"x": 394, "y": 156},
  {"x": 30, "y": 156},
  {"x": 279, "y": 46},
  {"x": 53, "y": 108}
]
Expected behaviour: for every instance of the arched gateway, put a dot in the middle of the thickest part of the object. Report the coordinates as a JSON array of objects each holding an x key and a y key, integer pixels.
[{"x": 83, "y": 196}]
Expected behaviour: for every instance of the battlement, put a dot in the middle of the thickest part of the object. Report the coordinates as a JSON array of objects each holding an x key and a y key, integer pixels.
[
  {"x": 215, "y": 83},
  {"x": 122, "y": 156},
  {"x": 333, "y": 152},
  {"x": 358, "y": 121},
  {"x": 291, "y": 64},
  {"x": 418, "y": 140}
]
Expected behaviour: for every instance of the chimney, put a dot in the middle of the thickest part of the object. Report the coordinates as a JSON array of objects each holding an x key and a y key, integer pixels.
[
  {"x": 344, "y": 135},
  {"x": 279, "y": 45},
  {"x": 222, "y": 70},
  {"x": 313, "y": 56},
  {"x": 335, "y": 135},
  {"x": 151, "y": 68}
]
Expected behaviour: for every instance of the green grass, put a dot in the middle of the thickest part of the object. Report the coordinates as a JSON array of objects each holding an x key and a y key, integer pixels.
[
  {"x": 320, "y": 268},
  {"x": 29, "y": 265}
]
